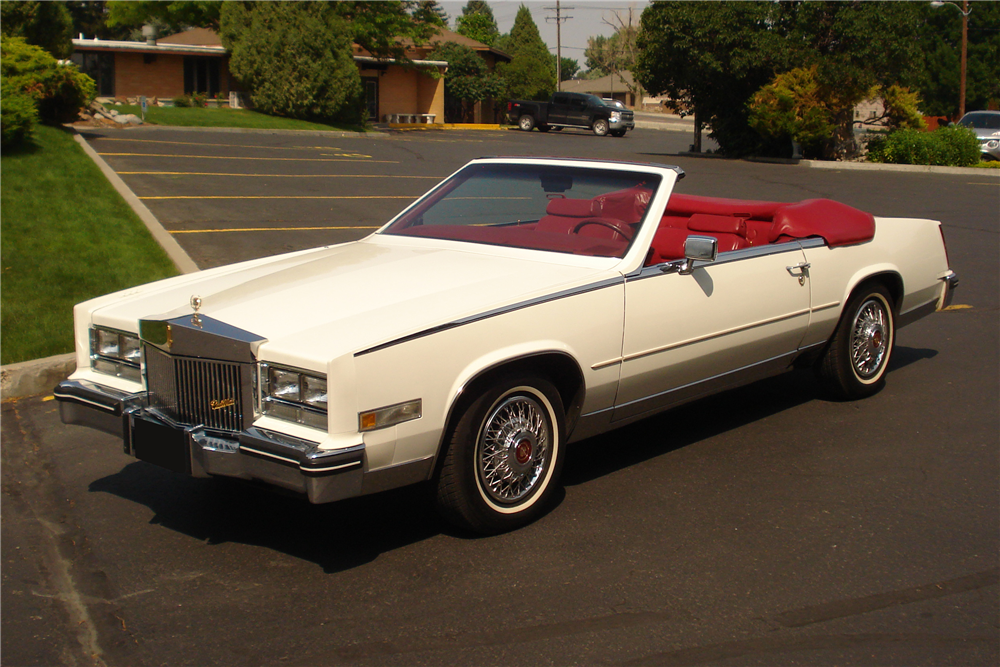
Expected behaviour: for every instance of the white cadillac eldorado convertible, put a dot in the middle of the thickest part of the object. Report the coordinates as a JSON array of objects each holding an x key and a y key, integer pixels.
[{"x": 519, "y": 306}]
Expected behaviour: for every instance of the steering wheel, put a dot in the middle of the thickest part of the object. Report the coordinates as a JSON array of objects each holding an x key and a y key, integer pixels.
[{"x": 614, "y": 225}]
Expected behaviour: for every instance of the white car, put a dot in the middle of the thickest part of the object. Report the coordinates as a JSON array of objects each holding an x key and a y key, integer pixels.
[{"x": 519, "y": 306}]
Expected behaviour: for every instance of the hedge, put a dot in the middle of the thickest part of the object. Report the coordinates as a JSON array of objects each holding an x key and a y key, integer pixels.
[{"x": 954, "y": 146}]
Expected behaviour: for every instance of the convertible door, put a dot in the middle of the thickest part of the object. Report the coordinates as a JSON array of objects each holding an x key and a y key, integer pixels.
[{"x": 691, "y": 335}]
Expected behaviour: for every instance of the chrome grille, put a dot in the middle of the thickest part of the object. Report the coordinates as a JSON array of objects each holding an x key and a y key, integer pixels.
[{"x": 195, "y": 391}]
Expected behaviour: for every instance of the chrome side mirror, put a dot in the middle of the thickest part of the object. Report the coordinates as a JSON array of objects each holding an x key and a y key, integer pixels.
[{"x": 698, "y": 248}]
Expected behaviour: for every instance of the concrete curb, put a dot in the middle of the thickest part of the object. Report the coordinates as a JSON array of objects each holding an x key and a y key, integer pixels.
[
  {"x": 856, "y": 166},
  {"x": 177, "y": 255},
  {"x": 663, "y": 127},
  {"x": 37, "y": 376}
]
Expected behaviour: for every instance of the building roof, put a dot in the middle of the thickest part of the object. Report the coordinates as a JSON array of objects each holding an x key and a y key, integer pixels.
[
  {"x": 196, "y": 36},
  {"x": 190, "y": 49},
  {"x": 443, "y": 36},
  {"x": 143, "y": 47},
  {"x": 619, "y": 82}
]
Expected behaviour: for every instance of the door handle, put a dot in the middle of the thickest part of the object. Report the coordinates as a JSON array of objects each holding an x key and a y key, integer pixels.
[{"x": 800, "y": 271}]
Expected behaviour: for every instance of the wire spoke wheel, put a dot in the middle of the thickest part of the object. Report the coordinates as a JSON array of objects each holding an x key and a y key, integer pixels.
[
  {"x": 855, "y": 361},
  {"x": 514, "y": 449},
  {"x": 503, "y": 459},
  {"x": 869, "y": 338}
]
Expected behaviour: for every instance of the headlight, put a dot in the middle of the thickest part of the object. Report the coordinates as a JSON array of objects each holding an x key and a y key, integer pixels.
[
  {"x": 992, "y": 143},
  {"x": 616, "y": 115},
  {"x": 116, "y": 353},
  {"x": 293, "y": 395}
]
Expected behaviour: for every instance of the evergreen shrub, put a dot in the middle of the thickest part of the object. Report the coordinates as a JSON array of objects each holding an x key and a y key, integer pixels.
[
  {"x": 58, "y": 90},
  {"x": 947, "y": 146}
]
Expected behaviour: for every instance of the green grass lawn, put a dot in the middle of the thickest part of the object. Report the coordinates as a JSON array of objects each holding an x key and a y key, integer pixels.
[
  {"x": 226, "y": 117},
  {"x": 66, "y": 236}
]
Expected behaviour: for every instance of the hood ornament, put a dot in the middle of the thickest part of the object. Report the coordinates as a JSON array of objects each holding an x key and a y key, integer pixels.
[{"x": 196, "y": 304}]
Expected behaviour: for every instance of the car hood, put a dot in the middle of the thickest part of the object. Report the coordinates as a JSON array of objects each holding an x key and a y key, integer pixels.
[{"x": 319, "y": 304}]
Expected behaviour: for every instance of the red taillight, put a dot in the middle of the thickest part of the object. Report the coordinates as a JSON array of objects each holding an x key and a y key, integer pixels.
[
  {"x": 510, "y": 106},
  {"x": 945, "y": 244}
]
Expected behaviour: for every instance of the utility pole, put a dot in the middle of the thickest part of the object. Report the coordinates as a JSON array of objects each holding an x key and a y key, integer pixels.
[
  {"x": 964, "y": 11},
  {"x": 558, "y": 18}
]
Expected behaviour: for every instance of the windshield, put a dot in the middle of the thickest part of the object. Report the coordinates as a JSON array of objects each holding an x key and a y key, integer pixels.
[
  {"x": 981, "y": 121},
  {"x": 582, "y": 211}
]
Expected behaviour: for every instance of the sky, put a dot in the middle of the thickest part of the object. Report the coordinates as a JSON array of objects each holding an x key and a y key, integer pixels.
[{"x": 588, "y": 19}]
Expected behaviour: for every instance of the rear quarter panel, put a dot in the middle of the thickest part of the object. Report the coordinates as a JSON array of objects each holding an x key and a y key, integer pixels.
[{"x": 911, "y": 248}]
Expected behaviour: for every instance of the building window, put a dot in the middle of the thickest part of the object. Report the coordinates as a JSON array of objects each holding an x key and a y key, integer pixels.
[
  {"x": 100, "y": 67},
  {"x": 201, "y": 75},
  {"x": 371, "y": 96}
]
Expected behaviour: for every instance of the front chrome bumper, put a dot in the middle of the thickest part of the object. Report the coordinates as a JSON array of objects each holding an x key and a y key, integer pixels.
[
  {"x": 622, "y": 124},
  {"x": 279, "y": 459}
]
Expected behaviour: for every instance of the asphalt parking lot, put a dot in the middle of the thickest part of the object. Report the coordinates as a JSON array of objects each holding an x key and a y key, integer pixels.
[{"x": 764, "y": 526}]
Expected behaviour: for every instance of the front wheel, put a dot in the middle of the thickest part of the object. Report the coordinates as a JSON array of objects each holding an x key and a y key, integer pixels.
[
  {"x": 526, "y": 122},
  {"x": 504, "y": 457},
  {"x": 857, "y": 357},
  {"x": 600, "y": 127},
  {"x": 618, "y": 133}
]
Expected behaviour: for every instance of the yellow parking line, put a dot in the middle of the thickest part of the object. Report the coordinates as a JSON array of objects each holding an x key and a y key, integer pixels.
[
  {"x": 284, "y": 197},
  {"x": 958, "y": 306},
  {"x": 198, "y": 143},
  {"x": 352, "y": 157},
  {"x": 207, "y": 173},
  {"x": 261, "y": 229}
]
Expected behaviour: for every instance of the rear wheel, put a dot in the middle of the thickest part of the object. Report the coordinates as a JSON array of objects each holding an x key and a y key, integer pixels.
[
  {"x": 504, "y": 457},
  {"x": 543, "y": 128},
  {"x": 857, "y": 357},
  {"x": 600, "y": 127},
  {"x": 526, "y": 122}
]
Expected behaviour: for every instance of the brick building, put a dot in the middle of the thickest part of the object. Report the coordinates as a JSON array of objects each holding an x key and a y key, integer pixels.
[{"x": 194, "y": 61}]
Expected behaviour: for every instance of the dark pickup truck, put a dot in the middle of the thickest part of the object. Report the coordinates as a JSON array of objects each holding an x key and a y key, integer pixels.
[{"x": 581, "y": 110}]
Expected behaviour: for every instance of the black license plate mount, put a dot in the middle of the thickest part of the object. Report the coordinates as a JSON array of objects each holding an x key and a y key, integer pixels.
[{"x": 161, "y": 445}]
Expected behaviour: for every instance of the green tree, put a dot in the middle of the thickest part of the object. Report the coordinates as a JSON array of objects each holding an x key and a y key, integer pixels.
[
  {"x": 715, "y": 56},
  {"x": 569, "y": 68},
  {"x": 429, "y": 11},
  {"x": 90, "y": 18},
  {"x": 711, "y": 58},
  {"x": 295, "y": 57},
  {"x": 174, "y": 16},
  {"x": 941, "y": 39},
  {"x": 380, "y": 27},
  {"x": 794, "y": 105},
  {"x": 45, "y": 24},
  {"x": 477, "y": 22},
  {"x": 59, "y": 91},
  {"x": 531, "y": 72},
  {"x": 466, "y": 82}
]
